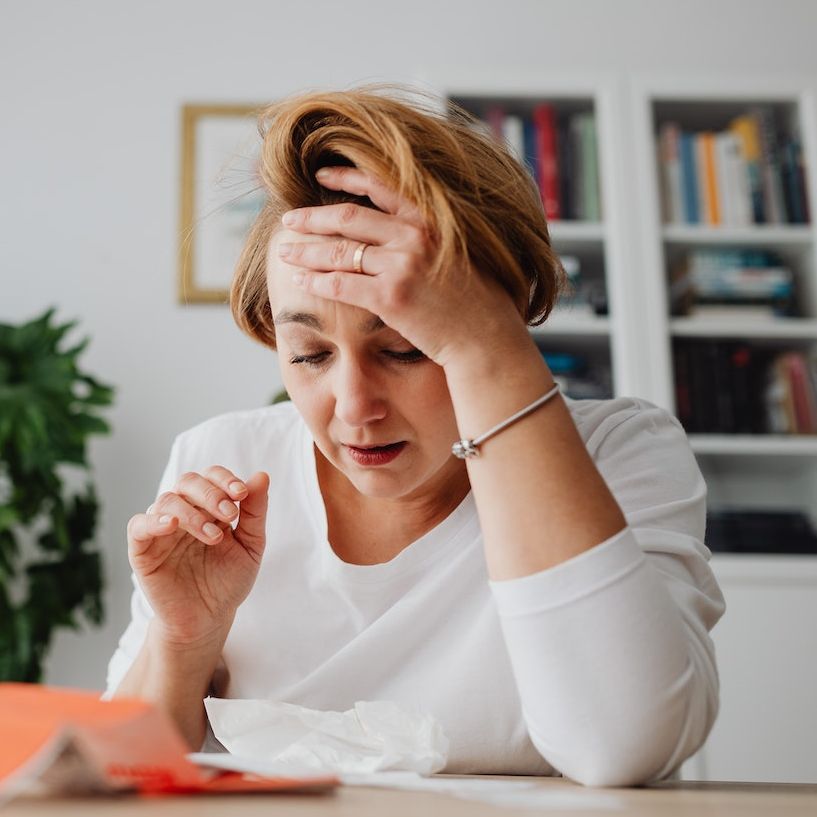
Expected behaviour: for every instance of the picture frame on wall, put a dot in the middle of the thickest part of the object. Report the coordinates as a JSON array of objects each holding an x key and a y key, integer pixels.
[{"x": 220, "y": 196}]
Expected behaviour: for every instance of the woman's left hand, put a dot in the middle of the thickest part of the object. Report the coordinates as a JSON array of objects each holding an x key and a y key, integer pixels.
[{"x": 441, "y": 315}]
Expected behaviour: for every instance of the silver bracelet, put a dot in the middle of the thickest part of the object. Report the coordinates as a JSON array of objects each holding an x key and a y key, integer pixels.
[{"x": 470, "y": 448}]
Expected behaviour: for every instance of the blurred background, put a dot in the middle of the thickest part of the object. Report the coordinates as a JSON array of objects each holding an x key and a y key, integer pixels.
[{"x": 91, "y": 154}]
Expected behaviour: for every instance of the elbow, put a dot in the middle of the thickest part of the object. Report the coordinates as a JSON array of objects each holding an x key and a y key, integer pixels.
[{"x": 642, "y": 744}]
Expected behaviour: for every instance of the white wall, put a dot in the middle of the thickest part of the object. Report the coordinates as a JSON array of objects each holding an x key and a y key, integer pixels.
[{"x": 89, "y": 162}]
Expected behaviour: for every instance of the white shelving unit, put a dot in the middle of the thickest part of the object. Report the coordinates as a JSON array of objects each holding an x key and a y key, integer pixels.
[{"x": 767, "y": 674}]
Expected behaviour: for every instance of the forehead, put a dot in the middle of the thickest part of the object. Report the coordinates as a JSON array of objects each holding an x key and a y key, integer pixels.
[{"x": 285, "y": 296}]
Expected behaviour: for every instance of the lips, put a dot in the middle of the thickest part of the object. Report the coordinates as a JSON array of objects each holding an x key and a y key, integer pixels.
[{"x": 377, "y": 454}]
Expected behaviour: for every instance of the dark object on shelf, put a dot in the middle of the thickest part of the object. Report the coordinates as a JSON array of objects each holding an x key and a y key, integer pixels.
[
  {"x": 578, "y": 378},
  {"x": 773, "y": 532},
  {"x": 719, "y": 387}
]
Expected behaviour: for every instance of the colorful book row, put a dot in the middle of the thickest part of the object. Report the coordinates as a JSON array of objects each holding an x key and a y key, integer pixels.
[
  {"x": 734, "y": 388},
  {"x": 747, "y": 174},
  {"x": 560, "y": 150},
  {"x": 732, "y": 278}
]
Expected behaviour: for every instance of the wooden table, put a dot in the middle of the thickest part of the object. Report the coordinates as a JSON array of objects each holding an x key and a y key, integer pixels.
[{"x": 677, "y": 799}]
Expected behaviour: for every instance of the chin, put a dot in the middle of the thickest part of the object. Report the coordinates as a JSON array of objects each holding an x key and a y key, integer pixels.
[{"x": 380, "y": 485}]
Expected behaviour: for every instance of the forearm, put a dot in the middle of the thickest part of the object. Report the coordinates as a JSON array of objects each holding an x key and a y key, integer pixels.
[
  {"x": 176, "y": 678},
  {"x": 540, "y": 497}
]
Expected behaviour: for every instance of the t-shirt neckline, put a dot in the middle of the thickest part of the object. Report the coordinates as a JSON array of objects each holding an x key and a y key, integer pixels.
[{"x": 455, "y": 531}]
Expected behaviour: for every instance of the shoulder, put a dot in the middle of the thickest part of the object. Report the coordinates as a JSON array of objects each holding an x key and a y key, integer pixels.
[
  {"x": 240, "y": 438},
  {"x": 624, "y": 419}
]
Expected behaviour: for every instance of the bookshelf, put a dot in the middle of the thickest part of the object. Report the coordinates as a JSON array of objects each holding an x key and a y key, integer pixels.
[
  {"x": 586, "y": 326},
  {"x": 767, "y": 678}
]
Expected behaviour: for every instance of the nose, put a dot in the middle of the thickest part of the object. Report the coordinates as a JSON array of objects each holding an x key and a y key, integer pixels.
[{"x": 359, "y": 398}]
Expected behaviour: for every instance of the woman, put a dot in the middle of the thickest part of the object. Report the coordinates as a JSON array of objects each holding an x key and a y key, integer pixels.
[{"x": 544, "y": 593}]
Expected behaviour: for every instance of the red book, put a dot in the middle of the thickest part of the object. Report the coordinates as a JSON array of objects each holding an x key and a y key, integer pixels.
[{"x": 547, "y": 147}]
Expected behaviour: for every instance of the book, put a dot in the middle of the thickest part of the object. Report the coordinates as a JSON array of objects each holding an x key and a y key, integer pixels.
[
  {"x": 773, "y": 203},
  {"x": 669, "y": 161},
  {"x": 699, "y": 152},
  {"x": 689, "y": 175},
  {"x": 710, "y": 177},
  {"x": 745, "y": 129},
  {"x": 62, "y": 741},
  {"x": 513, "y": 136},
  {"x": 544, "y": 118},
  {"x": 590, "y": 167}
]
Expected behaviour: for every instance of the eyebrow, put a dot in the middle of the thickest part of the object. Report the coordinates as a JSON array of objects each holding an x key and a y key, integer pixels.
[{"x": 370, "y": 325}]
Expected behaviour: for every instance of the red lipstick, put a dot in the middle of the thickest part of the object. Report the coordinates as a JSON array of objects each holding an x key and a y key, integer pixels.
[{"x": 376, "y": 455}]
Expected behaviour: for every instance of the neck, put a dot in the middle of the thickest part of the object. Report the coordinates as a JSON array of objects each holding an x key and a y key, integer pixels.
[{"x": 372, "y": 530}]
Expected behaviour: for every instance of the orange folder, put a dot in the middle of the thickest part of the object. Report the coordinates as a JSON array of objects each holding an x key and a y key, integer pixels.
[{"x": 62, "y": 740}]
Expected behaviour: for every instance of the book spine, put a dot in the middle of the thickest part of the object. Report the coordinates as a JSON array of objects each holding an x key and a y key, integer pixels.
[
  {"x": 566, "y": 170},
  {"x": 669, "y": 151},
  {"x": 689, "y": 177},
  {"x": 710, "y": 173},
  {"x": 745, "y": 129},
  {"x": 769, "y": 164},
  {"x": 704, "y": 214},
  {"x": 495, "y": 119},
  {"x": 725, "y": 184},
  {"x": 513, "y": 135},
  {"x": 531, "y": 149},
  {"x": 590, "y": 164},
  {"x": 545, "y": 120},
  {"x": 577, "y": 168}
]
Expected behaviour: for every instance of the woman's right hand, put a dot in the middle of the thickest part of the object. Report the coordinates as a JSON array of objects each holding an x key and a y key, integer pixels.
[{"x": 194, "y": 568}]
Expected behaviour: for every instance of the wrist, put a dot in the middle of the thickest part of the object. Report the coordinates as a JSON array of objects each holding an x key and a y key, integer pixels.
[
  {"x": 502, "y": 358},
  {"x": 183, "y": 649}
]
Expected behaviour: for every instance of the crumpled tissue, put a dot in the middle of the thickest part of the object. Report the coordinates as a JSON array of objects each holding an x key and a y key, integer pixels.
[{"x": 374, "y": 736}]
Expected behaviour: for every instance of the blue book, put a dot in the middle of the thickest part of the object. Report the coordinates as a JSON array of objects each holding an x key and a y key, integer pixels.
[
  {"x": 531, "y": 154},
  {"x": 689, "y": 178}
]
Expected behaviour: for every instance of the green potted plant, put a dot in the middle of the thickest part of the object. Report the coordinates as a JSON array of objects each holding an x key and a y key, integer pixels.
[{"x": 49, "y": 569}]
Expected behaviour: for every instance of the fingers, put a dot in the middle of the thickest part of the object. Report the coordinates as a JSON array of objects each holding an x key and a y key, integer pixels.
[
  {"x": 214, "y": 492},
  {"x": 251, "y": 530},
  {"x": 360, "y": 183},
  {"x": 197, "y": 522},
  {"x": 333, "y": 255},
  {"x": 145, "y": 529},
  {"x": 344, "y": 287},
  {"x": 351, "y": 220}
]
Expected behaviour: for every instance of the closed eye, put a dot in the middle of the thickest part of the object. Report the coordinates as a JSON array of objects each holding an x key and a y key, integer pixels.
[
  {"x": 411, "y": 356},
  {"x": 310, "y": 360}
]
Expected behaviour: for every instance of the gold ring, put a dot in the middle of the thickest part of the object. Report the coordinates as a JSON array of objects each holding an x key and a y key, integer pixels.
[{"x": 357, "y": 260}]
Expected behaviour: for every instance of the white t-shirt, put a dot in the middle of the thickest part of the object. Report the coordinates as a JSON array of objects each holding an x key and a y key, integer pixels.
[{"x": 600, "y": 668}]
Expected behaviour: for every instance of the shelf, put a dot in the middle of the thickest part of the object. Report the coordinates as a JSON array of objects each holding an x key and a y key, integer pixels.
[
  {"x": 573, "y": 231},
  {"x": 750, "y": 568},
  {"x": 787, "y": 445},
  {"x": 744, "y": 328},
  {"x": 790, "y": 235},
  {"x": 566, "y": 322}
]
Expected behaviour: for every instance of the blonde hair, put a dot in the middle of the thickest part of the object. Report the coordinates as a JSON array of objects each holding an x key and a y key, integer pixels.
[{"x": 478, "y": 201}]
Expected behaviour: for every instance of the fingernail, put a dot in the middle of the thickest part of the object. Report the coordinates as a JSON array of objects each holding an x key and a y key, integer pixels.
[
  {"x": 284, "y": 250},
  {"x": 165, "y": 520},
  {"x": 298, "y": 279},
  {"x": 237, "y": 487},
  {"x": 227, "y": 508},
  {"x": 211, "y": 531},
  {"x": 289, "y": 218},
  {"x": 323, "y": 173}
]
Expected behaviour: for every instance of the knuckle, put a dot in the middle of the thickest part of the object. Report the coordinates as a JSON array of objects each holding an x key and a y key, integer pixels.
[
  {"x": 339, "y": 252},
  {"x": 164, "y": 499},
  {"x": 399, "y": 294},
  {"x": 186, "y": 478},
  {"x": 347, "y": 213},
  {"x": 336, "y": 286}
]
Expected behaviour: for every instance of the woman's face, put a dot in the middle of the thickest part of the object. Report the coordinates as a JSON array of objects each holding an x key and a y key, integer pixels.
[{"x": 379, "y": 411}]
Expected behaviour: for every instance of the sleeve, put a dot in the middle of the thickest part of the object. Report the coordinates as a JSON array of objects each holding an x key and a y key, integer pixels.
[
  {"x": 611, "y": 649},
  {"x": 134, "y": 636}
]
